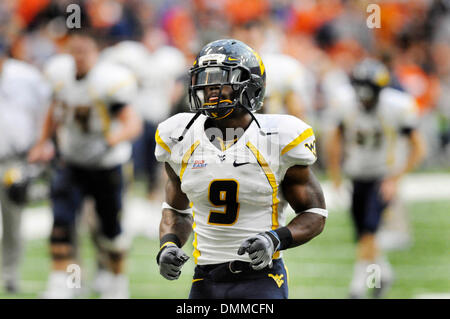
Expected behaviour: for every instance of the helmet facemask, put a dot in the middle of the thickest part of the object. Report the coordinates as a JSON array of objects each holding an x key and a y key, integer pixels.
[
  {"x": 367, "y": 93},
  {"x": 368, "y": 78},
  {"x": 217, "y": 89}
]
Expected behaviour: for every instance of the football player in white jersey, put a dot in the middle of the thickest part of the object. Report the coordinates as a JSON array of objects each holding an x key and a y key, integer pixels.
[
  {"x": 24, "y": 97},
  {"x": 156, "y": 70},
  {"x": 367, "y": 119},
  {"x": 231, "y": 174},
  {"x": 94, "y": 123},
  {"x": 291, "y": 87}
]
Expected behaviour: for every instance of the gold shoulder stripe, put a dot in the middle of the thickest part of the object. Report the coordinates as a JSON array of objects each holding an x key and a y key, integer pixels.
[
  {"x": 273, "y": 183},
  {"x": 186, "y": 158},
  {"x": 307, "y": 133},
  {"x": 161, "y": 143}
]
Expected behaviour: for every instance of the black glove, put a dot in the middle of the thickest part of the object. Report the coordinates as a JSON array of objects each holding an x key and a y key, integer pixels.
[
  {"x": 171, "y": 259},
  {"x": 260, "y": 249}
]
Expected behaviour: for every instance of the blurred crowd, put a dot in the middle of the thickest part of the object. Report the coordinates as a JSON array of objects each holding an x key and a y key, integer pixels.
[{"x": 327, "y": 37}]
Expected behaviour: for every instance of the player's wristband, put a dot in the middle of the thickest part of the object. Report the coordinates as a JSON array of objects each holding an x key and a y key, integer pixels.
[
  {"x": 319, "y": 211},
  {"x": 181, "y": 211},
  {"x": 166, "y": 240},
  {"x": 169, "y": 239},
  {"x": 283, "y": 238}
]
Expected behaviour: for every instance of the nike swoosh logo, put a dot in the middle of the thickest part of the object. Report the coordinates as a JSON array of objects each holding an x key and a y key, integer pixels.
[{"x": 239, "y": 164}]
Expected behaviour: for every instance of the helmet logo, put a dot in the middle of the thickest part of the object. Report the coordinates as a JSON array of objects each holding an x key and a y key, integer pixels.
[{"x": 219, "y": 58}]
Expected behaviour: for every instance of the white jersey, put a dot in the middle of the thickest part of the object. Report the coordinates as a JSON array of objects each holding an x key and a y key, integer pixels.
[
  {"x": 24, "y": 97},
  {"x": 165, "y": 66},
  {"x": 156, "y": 72},
  {"x": 370, "y": 137},
  {"x": 286, "y": 74},
  {"x": 130, "y": 54},
  {"x": 235, "y": 192},
  {"x": 86, "y": 111}
]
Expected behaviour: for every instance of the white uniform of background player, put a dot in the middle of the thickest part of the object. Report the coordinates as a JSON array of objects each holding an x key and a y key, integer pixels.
[
  {"x": 290, "y": 87},
  {"x": 371, "y": 138},
  {"x": 337, "y": 91},
  {"x": 105, "y": 84},
  {"x": 24, "y": 97},
  {"x": 157, "y": 73},
  {"x": 85, "y": 116},
  {"x": 244, "y": 176},
  {"x": 370, "y": 144}
]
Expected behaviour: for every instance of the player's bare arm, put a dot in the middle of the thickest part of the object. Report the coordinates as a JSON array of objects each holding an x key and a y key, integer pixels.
[
  {"x": 334, "y": 155},
  {"x": 131, "y": 126},
  {"x": 416, "y": 153},
  {"x": 43, "y": 151},
  {"x": 303, "y": 192},
  {"x": 173, "y": 222},
  {"x": 415, "y": 156},
  {"x": 174, "y": 229},
  {"x": 294, "y": 104}
]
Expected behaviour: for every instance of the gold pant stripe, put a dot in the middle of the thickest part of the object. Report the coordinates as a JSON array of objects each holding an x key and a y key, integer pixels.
[{"x": 196, "y": 252}]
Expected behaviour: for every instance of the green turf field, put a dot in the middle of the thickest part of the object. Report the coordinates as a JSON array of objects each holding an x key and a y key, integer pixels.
[{"x": 319, "y": 269}]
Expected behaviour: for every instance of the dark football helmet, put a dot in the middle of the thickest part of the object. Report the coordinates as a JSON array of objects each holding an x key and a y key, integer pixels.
[
  {"x": 368, "y": 78},
  {"x": 226, "y": 74}
]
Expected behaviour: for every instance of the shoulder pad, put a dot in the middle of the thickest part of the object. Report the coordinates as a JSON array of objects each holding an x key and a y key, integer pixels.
[
  {"x": 169, "y": 59},
  {"x": 400, "y": 105},
  {"x": 296, "y": 138},
  {"x": 60, "y": 71},
  {"x": 293, "y": 133},
  {"x": 397, "y": 99},
  {"x": 167, "y": 134},
  {"x": 112, "y": 83},
  {"x": 130, "y": 54},
  {"x": 23, "y": 69}
]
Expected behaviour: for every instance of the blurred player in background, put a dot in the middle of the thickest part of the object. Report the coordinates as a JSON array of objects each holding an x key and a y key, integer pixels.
[
  {"x": 290, "y": 88},
  {"x": 157, "y": 66},
  {"x": 238, "y": 184},
  {"x": 24, "y": 97},
  {"x": 367, "y": 118},
  {"x": 94, "y": 124}
]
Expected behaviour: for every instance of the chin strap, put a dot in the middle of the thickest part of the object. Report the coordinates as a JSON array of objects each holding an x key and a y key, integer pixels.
[
  {"x": 253, "y": 115},
  {"x": 256, "y": 121},
  {"x": 180, "y": 138}
]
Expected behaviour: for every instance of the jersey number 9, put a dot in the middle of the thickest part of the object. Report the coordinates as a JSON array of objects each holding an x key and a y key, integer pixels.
[{"x": 224, "y": 193}]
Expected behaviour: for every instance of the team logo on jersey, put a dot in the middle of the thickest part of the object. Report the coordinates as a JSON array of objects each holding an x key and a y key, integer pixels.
[
  {"x": 278, "y": 279},
  {"x": 199, "y": 164},
  {"x": 221, "y": 157},
  {"x": 312, "y": 147}
]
